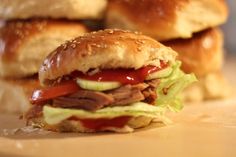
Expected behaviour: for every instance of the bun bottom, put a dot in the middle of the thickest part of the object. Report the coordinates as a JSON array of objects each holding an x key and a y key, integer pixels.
[
  {"x": 14, "y": 94},
  {"x": 212, "y": 86},
  {"x": 76, "y": 126}
]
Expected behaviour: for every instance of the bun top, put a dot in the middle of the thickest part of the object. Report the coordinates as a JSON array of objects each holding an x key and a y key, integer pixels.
[
  {"x": 105, "y": 49},
  {"x": 25, "y": 43},
  {"x": 166, "y": 19}
]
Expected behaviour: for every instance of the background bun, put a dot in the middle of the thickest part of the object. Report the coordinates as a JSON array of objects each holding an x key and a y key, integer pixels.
[
  {"x": 166, "y": 19},
  {"x": 106, "y": 49},
  {"x": 211, "y": 86},
  {"x": 70, "y": 9},
  {"x": 201, "y": 54},
  {"x": 24, "y": 44},
  {"x": 15, "y": 93}
]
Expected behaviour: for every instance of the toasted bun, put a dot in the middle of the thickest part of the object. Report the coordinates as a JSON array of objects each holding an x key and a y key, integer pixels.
[
  {"x": 212, "y": 86},
  {"x": 24, "y": 44},
  {"x": 14, "y": 94},
  {"x": 71, "y": 9},
  {"x": 201, "y": 54},
  {"x": 166, "y": 19},
  {"x": 107, "y": 49},
  {"x": 75, "y": 126}
]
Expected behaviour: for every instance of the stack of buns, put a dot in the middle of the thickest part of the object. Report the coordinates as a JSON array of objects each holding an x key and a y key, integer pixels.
[
  {"x": 190, "y": 27},
  {"x": 29, "y": 31}
]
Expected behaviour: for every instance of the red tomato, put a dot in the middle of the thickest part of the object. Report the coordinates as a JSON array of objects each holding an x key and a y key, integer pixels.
[{"x": 62, "y": 89}]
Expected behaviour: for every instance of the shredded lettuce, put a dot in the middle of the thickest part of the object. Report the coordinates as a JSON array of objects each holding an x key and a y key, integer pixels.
[
  {"x": 54, "y": 115},
  {"x": 170, "y": 87}
]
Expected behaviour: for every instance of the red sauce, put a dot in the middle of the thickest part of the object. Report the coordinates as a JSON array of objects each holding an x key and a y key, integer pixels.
[
  {"x": 124, "y": 76},
  {"x": 99, "y": 124}
]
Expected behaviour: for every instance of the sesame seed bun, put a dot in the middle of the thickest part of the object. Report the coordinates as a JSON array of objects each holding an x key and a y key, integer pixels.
[{"x": 106, "y": 49}]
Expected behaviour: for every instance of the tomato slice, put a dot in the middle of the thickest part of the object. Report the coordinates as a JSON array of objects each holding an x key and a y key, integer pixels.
[{"x": 41, "y": 95}]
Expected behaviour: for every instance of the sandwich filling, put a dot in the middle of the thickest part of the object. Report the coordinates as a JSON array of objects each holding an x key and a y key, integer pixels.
[{"x": 111, "y": 97}]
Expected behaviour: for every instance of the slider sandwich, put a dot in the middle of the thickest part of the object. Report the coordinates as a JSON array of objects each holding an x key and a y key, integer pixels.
[{"x": 110, "y": 80}]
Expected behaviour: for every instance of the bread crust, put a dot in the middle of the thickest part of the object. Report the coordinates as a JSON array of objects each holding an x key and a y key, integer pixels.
[
  {"x": 164, "y": 20},
  {"x": 24, "y": 44},
  {"x": 211, "y": 86},
  {"x": 201, "y": 54},
  {"x": 105, "y": 49},
  {"x": 70, "y": 9},
  {"x": 76, "y": 126},
  {"x": 15, "y": 93}
]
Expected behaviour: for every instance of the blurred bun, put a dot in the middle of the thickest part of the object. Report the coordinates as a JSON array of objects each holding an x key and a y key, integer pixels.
[
  {"x": 201, "y": 54},
  {"x": 70, "y": 9},
  {"x": 106, "y": 49},
  {"x": 212, "y": 86},
  {"x": 166, "y": 19},
  {"x": 14, "y": 94},
  {"x": 24, "y": 44}
]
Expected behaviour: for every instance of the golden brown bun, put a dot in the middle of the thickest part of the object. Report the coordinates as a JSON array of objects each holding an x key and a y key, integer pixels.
[
  {"x": 212, "y": 86},
  {"x": 105, "y": 49},
  {"x": 24, "y": 44},
  {"x": 71, "y": 9},
  {"x": 14, "y": 94},
  {"x": 201, "y": 54},
  {"x": 166, "y": 19},
  {"x": 75, "y": 126}
]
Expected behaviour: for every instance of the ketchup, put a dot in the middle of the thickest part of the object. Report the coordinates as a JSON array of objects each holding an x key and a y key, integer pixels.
[
  {"x": 99, "y": 124},
  {"x": 124, "y": 76}
]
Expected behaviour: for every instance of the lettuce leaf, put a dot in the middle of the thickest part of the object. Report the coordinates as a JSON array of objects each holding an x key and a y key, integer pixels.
[
  {"x": 54, "y": 115},
  {"x": 170, "y": 87}
]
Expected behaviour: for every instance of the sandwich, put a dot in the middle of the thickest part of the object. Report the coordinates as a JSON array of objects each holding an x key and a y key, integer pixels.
[
  {"x": 110, "y": 80},
  {"x": 23, "y": 46}
]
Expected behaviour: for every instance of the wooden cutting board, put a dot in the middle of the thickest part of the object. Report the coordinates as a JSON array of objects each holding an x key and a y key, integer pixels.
[{"x": 202, "y": 130}]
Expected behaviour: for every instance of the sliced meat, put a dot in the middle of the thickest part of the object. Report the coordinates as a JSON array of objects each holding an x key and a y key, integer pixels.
[
  {"x": 127, "y": 94},
  {"x": 150, "y": 95},
  {"x": 91, "y": 100},
  {"x": 34, "y": 112},
  {"x": 150, "y": 92},
  {"x": 153, "y": 83},
  {"x": 84, "y": 99}
]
